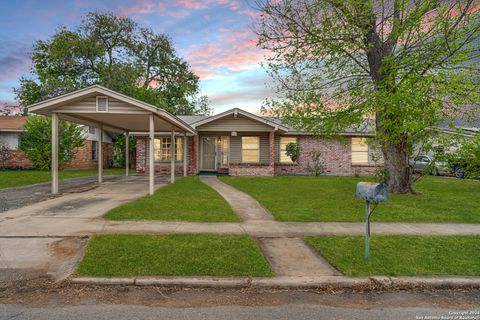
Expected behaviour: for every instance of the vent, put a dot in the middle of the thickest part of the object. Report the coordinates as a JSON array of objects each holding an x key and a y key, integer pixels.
[{"x": 102, "y": 104}]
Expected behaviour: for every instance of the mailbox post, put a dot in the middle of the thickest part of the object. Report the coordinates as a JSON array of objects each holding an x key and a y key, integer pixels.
[{"x": 370, "y": 192}]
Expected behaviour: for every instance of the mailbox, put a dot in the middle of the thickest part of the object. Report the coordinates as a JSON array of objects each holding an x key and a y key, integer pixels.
[{"x": 371, "y": 191}]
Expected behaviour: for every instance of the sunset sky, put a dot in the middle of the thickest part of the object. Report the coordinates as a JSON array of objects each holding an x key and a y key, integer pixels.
[{"x": 214, "y": 36}]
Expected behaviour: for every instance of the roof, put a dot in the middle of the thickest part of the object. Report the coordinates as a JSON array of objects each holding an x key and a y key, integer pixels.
[
  {"x": 132, "y": 115},
  {"x": 367, "y": 128},
  {"x": 12, "y": 123},
  {"x": 201, "y": 120}
]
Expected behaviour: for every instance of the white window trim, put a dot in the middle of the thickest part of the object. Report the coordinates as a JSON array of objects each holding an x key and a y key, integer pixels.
[
  {"x": 175, "y": 146},
  {"x": 258, "y": 157},
  {"x": 107, "y": 106}
]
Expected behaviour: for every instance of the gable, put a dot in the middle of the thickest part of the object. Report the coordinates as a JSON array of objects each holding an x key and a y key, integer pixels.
[{"x": 239, "y": 123}]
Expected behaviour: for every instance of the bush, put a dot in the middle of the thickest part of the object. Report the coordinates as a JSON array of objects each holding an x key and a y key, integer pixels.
[
  {"x": 467, "y": 157},
  {"x": 36, "y": 141},
  {"x": 119, "y": 149},
  {"x": 293, "y": 151},
  {"x": 315, "y": 164}
]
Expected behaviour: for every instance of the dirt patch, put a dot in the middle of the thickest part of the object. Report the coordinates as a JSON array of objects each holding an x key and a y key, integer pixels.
[{"x": 40, "y": 292}]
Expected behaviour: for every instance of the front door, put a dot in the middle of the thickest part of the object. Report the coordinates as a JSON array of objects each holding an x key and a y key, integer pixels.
[{"x": 209, "y": 146}]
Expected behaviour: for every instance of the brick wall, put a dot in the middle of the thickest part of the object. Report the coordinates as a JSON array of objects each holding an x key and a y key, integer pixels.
[
  {"x": 336, "y": 156},
  {"x": 82, "y": 158},
  {"x": 250, "y": 170},
  {"x": 164, "y": 167},
  {"x": 17, "y": 160}
]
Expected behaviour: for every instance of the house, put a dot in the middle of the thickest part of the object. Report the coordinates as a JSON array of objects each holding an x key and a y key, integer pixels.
[
  {"x": 240, "y": 143},
  {"x": 235, "y": 142},
  {"x": 11, "y": 128}
]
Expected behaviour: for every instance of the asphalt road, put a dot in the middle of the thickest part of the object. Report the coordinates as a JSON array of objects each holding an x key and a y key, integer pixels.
[{"x": 289, "y": 311}]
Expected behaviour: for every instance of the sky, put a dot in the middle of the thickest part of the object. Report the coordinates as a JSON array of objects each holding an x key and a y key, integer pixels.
[{"x": 214, "y": 36}]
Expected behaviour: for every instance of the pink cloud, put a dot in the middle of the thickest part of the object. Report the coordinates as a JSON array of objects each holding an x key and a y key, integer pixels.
[{"x": 235, "y": 50}]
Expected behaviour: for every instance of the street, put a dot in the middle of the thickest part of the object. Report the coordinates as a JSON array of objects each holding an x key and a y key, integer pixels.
[{"x": 289, "y": 311}]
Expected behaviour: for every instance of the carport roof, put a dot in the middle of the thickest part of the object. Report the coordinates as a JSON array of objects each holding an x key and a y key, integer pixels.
[{"x": 126, "y": 113}]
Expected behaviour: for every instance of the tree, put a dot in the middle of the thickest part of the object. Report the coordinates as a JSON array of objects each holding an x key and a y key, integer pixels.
[
  {"x": 402, "y": 65},
  {"x": 114, "y": 52},
  {"x": 119, "y": 149},
  {"x": 37, "y": 136}
]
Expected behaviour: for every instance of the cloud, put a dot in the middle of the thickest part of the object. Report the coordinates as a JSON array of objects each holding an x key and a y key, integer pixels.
[
  {"x": 233, "y": 50},
  {"x": 14, "y": 59}
]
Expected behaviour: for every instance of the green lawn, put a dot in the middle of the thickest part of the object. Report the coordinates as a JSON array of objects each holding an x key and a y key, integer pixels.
[
  {"x": 173, "y": 255},
  {"x": 440, "y": 199},
  {"x": 16, "y": 178},
  {"x": 188, "y": 199},
  {"x": 402, "y": 255}
]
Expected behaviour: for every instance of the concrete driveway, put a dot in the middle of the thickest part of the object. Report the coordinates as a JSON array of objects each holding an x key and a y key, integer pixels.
[{"x": 50, "y": 235}]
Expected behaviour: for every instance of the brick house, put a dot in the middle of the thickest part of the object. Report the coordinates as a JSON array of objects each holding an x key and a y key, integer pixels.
[
  {"x": 243, "y": 144},
  {"x": 11, "y": 128}
]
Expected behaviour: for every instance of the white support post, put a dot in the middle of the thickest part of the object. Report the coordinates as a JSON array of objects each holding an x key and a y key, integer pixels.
[
  {"x": 151, "y": 167},
  {"x": 172, "y": 157},
  {"x": 127, "y": 155},
  {"x": 184, "y": 154},
  {"x": 100, "y": 154},
  {"x": 54, "y": 153}
]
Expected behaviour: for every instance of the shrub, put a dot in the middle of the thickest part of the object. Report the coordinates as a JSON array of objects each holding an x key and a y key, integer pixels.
[
  {"x": 36, "y": 141},
  {"x": 293, "y": 151}
]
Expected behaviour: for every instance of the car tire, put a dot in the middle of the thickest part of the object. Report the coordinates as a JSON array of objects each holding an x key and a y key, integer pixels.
[{"x": 459, "y": 172}]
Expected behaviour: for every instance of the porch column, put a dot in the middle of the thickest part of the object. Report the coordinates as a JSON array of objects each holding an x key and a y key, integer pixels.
[
  {"x": 151, "y": 166},
  {"x": 54, "y": 153},
  {"x": 172, "y": 157},
  {"x": 184, "y": 154},
  {"x": 100, "y": 154},
  {"x": 127, "y": 155},
  {"x": 272, "y": 151}
]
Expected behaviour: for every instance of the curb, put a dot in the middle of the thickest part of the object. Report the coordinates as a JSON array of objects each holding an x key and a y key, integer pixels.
[{"x": 340, "y": 282}]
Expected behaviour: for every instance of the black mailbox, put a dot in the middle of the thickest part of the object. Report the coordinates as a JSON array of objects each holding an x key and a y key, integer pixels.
[{"x": 372, "y": 191}]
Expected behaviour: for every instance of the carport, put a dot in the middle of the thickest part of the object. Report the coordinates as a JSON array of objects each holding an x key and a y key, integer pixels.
[{"x": 106, "y": 109}]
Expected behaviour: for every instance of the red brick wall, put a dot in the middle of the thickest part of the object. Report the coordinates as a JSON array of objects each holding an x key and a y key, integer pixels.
[
  {"x": 82, "y": 158},
  {"x": 17, "y": 159},
  {"x": 164, "y": 167},
  {"x": 336, "y": 156},
  {"x": 250, "y": 170}
]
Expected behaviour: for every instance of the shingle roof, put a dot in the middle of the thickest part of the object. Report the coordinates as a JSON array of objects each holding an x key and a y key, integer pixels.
[{"x": 12, "y": 123}]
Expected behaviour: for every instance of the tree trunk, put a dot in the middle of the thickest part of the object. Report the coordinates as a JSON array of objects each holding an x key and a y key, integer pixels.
[{"x": 396, "y": 163}]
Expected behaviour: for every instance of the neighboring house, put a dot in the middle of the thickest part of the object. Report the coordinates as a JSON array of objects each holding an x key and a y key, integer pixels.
[
  {"x": 11, "y": 128},
  {"x": 241, "y": 143}
]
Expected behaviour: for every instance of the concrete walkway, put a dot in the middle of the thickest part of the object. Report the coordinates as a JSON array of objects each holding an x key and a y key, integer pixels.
[
  {"x": 287, "y": 256},
  {"x": 243, "y": 204},
  {"x": 48, "y": 235}
]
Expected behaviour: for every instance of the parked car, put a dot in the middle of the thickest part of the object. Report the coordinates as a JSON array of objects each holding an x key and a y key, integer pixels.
[{"x": 425, "y": 163}]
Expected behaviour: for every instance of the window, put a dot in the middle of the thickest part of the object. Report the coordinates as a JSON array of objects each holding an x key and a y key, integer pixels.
[
  {"x": 250, "y": 149},
  {"x": 102, "y": 104},
  {"x": 283, "y": 148},
  {"x": 225, "y": 143},
  {"x": 163, "y": 149},
  {"x": 359, "y": 151},
  {"x": 94, "y": 150}
]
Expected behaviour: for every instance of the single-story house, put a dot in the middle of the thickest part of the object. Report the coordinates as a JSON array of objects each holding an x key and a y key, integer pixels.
[
  {"x": 240, "y": 143},
  {"x": 85, "y": 157},
  {"x": 236, "y": 142}
]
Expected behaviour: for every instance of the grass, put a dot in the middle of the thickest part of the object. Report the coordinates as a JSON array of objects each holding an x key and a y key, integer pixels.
[
  {"x": 440, "y": 199},
  {"x": 173, "y": 255},
  {"x": 188, "y": 199},
  {"x": 16, "y": 178},
  {"x": 402, "y": 255}
]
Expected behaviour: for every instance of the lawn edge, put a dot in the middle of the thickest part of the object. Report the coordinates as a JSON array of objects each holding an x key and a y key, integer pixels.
[{"x": 342, "y": 282}]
